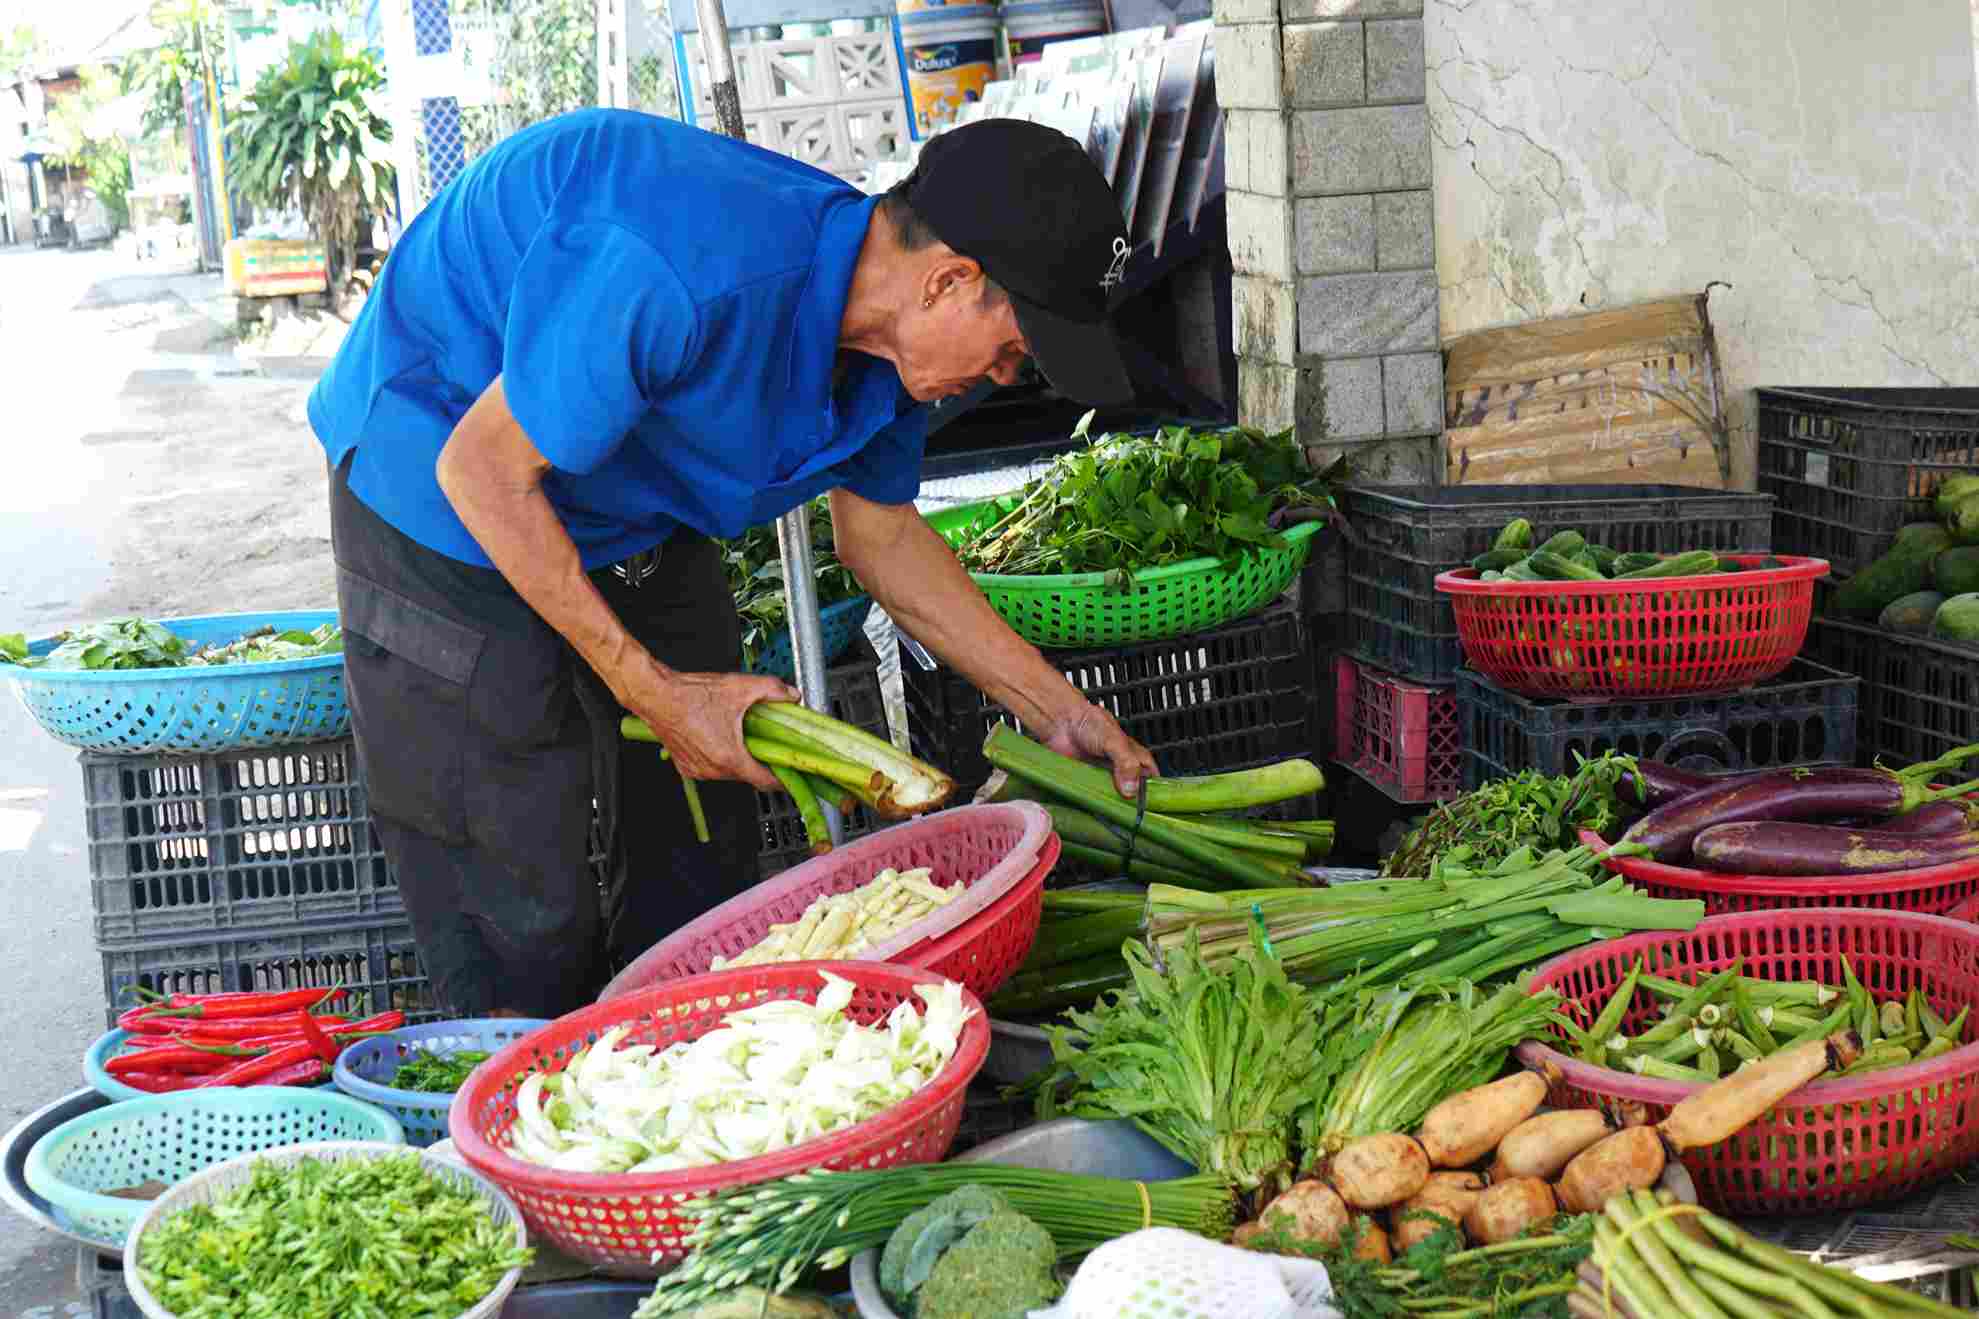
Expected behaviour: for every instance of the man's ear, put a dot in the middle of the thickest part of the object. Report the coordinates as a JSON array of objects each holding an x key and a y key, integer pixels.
[{"x": 953, "y": 273}]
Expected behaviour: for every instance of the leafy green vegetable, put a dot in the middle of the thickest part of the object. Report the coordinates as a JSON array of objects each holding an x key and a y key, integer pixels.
[
  {"x": 1212, "y": 1062},
  {"x": 381, "y": 1238},
  {"x": 754, "y": 565},
  {"x": 438, "y": 1073},
  {"x": 1527, "y": 809},
  {"x": 1528, "y": 1278},
  {"x": 1130, "y": 502},
  {"x": 135, "y": 643}
]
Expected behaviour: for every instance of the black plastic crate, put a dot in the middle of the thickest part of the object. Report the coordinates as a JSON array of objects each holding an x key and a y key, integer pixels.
[
  {"x": 1848, "y": 467},
  {"x": 1228, "y": 698},
  {"x": 375, "y": 957},
  {"x": 1403, "y": 536},
  {"x": 234, "y": 840},
  {"x": 1920, "y": 696},
  {"x": 1806, "y": 716},
  {"x": 853, "y": 685}
]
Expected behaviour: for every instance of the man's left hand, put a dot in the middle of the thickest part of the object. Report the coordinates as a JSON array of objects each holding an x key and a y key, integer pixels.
[{"x": 1090, "y": 733}]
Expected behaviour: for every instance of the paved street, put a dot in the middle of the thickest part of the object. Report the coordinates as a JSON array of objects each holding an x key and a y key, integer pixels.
[{"x": 113, "y": 379}]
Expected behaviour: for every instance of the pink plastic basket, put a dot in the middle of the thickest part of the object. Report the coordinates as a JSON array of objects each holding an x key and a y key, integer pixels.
[
  {"x": 629, "y": 1225},
  {"x": 1831, "y": 1145},
  {"x": 1002, "y": 852}
]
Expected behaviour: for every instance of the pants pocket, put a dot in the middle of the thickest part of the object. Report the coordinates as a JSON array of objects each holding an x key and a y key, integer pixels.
[{"x": 406, "y": 670}]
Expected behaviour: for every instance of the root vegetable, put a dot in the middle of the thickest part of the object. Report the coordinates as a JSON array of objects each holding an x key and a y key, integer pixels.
[
  {"x": 1373, "y": 1243},
  {"x": 1504, "y": 1211},
  {"x": 1631, "y": 1159},
  {"x": 1309, "y": 1210},
  {"x": 1247, "y": 1233},
  {"x": 1542, "y": 1146},
  {"x": 1718, "y": 1111},
  {"x": 1381, "y": 1170},
  {"x": 1467, "y": 1126},
  {"x": 1421, "y": 1219}
]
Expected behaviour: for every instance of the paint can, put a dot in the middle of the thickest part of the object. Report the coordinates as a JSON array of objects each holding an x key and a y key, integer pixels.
[
  {"x": 1031, "y": 25},
  {"x": 948, "y": 55}
]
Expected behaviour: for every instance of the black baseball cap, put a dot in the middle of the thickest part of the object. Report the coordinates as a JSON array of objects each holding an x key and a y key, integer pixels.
[{"x": 1025, "y": 203}]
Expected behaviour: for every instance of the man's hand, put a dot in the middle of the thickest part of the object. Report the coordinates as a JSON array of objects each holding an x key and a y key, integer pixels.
[
  {"x": 1093, "y": 734},
  {"x": 698, "y": 717},
  {"x": 913, "y": 574}
]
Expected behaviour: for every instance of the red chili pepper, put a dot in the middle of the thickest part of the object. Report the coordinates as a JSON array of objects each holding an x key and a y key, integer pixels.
[
  {"x": 159, "y": 1083},
  {"x": 245, "y": 1005},
  {"x": 384, "y": 1021},
  {"x": 175, "y": 1058},
  {"x": 309, "y": 1071},
  {"x": 318, "y": 1041},
  {"x": 280, "y": 1023},
  {"x": 249, "y": 1071}
]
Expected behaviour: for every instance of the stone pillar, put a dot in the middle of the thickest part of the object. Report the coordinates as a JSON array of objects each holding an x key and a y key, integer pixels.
[{"x": 1327, "y": 164}]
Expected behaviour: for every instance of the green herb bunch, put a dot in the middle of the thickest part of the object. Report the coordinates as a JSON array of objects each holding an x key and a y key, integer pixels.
[
  {"x": 1131, "y": 502},
  {"x": 1528, "y": 809},
  {"x": 136, "y": 643},
  {"x": 1437, "y": 1278},
  {"x": 754, "y": 564},
  {"x": 438, "y": 1073}
]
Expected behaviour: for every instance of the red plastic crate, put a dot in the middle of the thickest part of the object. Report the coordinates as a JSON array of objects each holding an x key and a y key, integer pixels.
[{"x": 1403, "y": 737}]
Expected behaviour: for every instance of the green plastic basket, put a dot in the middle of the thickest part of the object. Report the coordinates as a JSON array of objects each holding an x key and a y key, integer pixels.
[
  {"x": 1064, "y": 611},
  {"x": 168, "y": 1138}
]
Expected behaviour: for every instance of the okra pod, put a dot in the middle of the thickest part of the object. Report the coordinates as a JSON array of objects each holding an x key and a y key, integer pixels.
[
  {"x": 1752, "y": 1023},
  {"x": 1610, "y": 1020}
]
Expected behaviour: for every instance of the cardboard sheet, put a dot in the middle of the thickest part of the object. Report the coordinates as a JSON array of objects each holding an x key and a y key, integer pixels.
[{"x": 1626, "y": 395}]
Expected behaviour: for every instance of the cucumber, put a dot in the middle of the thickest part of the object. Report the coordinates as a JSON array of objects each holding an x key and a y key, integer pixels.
[
  {"x": 1958, "y": 619},
  {"x": 1587, "y": 560},
  {"x": 1634, "y": 559},
  {"x": 1567, "y": 542},
  {"x": 1515, "y": 535},
  {"x": 1956, "y": 571},
  {"x": 1905, "y": 570},
  {"x": 1559, "y": 568},
  {"x": 1691, "y": 563},
  {"x": 1604, "y": 558},
  {"x": 1499, "y": 559},
  {"x": 1491, "y": 575},
  {"x": 1911, "y": 614},
  {"x": 1522, "y": 571},
  {"x": 1951, "y": 491},
  {"x": 1727, "y": 564}
]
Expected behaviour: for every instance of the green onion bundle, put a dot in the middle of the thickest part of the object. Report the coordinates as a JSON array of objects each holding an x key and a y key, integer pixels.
[
  {"x": 772, "y": 1234},
  {"x": 820, "y": 759}
]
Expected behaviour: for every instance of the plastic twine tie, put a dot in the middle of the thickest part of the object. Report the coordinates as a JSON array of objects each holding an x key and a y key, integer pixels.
[
  {"x": 1263, "y": 934},
  {"x": 1140, "y": 818},
  {"x": 1147, "y": 1205}
]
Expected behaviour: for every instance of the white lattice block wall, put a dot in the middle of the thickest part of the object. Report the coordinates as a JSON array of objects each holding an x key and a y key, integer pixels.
[{"x": 834, "y": 102}]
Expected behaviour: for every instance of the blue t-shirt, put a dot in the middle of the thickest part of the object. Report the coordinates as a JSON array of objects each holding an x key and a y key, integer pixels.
[{"x": 663, "y": 307}]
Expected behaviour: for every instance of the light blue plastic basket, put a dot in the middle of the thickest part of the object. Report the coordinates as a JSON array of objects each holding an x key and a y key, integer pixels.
[
  {"x": 168, "y": 1138},
  {"x": 365, "y": 1070},
  {"x": 841, "y": 624},
  {"x": 108, "y": 1045},
  {"x": 218, "y": 708}
]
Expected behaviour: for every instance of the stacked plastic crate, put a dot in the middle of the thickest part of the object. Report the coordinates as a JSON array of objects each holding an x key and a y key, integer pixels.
[
  {"x": 1847, "y": 468},
  {"x": 1417, "y": 723}
]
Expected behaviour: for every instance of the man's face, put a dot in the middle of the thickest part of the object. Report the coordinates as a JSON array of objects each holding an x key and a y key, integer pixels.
[{"x": 952, "y": 346}]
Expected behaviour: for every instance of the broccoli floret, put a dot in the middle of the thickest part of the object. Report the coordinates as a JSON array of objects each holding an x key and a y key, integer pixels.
[
  {"x": 1002, "y": 1269},
  {"x": 921, "y": 1237}
]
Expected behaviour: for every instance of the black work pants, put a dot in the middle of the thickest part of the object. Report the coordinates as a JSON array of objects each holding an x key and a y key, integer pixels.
[{"x": 486, "y": 742}]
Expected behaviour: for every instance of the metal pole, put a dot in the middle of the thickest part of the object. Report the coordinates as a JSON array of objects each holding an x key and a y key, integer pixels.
[{"x": 793, "y": 529}]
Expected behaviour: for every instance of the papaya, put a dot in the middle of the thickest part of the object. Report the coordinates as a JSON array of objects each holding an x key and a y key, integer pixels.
[
  {"x": 1950, "y": 491},
  {"x": 1958, "y": 618},
  {"x": 1912, "y": 614},
  {"x": 1956, "y": 570},
  {"x": 1906, "y": 569},
  {"x": 1963, "y": 520}
]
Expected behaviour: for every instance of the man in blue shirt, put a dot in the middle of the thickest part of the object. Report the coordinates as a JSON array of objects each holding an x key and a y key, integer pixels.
[{"x": 612, "y": 339}]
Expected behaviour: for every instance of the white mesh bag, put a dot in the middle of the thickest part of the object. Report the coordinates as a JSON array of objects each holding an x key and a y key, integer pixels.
[{"x": 1166, "y": 1273}]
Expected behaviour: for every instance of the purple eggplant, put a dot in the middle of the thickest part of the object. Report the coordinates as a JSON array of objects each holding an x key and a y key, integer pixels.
[
  {"x": 1666, "y": 833},
  {"x": 1777, "y": 847},
  {"x": 1937, "y": 817},
  {"x": 1657, "y": 784}
]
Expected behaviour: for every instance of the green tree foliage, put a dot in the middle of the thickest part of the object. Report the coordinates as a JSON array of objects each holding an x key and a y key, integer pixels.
[
  {"x": 80, "y": 141},
  {"x": 194, "y": 37},
  {"x": 313, "y": 133}
]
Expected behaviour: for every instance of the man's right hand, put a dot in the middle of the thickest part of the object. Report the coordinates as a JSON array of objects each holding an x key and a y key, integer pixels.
[{"x": 698, "y": 717}]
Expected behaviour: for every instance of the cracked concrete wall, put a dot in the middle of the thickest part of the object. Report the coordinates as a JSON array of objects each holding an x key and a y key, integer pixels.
[{"x": 1819, "y": 156}]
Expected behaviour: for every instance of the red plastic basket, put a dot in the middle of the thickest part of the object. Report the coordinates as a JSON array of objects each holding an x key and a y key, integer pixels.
[
  {"x": 1671, "y": 636},
  {"x": 967, "y": 845},
  {"x": 1931, "y": 890},
  {"x": 629, "y": 1225},
  {"x": 1404, "y": 737},
  {"x": 1832, "y": 1145}
]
